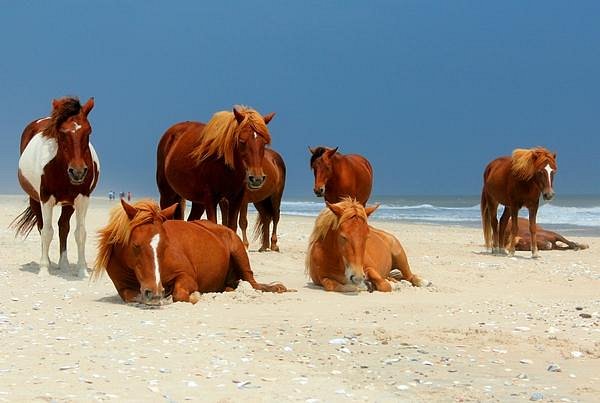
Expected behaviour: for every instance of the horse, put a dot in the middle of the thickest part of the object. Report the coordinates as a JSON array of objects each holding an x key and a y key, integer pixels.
[
  {"x": 346, "y": 254},
  {"x": 515, "y": 181},
  {"x": 546, "y": 240},
  {"x": 204, "y": 163},
  {"x": 148, "y": 256},
  {"x": 266, "y": 200},
  {"x": 338, "y": 176},
  {"x": 58, "y": 166}
]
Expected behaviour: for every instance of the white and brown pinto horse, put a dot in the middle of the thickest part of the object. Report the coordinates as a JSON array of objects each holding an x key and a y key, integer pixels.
[
  {"x": 58, "y": 166},
  {"x": 346, "y": 254}
]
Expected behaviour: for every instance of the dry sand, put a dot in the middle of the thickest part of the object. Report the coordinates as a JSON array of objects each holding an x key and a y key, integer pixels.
[{"x": 488, "y": 329}]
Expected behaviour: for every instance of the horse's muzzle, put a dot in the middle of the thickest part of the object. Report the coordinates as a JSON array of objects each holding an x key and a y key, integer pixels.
[
  {"x": 151, "y": 298},
  {"x": 548, "y": 196},
  {"x": 255, "y": 182},
  {"x": 320, "y": 191},
  {"x": 77, "y": 175}
]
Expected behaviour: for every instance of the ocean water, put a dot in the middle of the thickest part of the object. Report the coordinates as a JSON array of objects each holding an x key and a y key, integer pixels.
[{"x": 574, "y": 215}]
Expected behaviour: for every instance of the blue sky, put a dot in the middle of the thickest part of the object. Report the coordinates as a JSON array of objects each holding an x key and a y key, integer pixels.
[{"x": 429, "y": 91}]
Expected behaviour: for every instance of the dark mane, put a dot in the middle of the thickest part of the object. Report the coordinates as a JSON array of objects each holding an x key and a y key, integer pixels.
[
  {"x": 67, "y": 107},
  {"x": 318, "y": 152}
]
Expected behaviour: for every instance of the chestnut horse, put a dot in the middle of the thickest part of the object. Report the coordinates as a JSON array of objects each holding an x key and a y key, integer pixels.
[
  {"x": 148, "y": 257},
  {"x": 346, "y": 254},
  {"x": 58, "y": 166},
  {"x": 546, "y": 240},
  {"x": 514, "y": 182},
  {"x": 338, "y": 176},
  {"x": 267, "y": 201},
  {"x": 206, "y": 162}
]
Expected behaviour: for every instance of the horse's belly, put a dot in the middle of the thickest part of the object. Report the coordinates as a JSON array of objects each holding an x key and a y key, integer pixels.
[{"x": 37, "y": 154}]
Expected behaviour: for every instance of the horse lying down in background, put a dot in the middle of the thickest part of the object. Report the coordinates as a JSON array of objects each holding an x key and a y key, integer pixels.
[
  {"x": 149, "y": 257},
  {"x": 546, "y": 240}
]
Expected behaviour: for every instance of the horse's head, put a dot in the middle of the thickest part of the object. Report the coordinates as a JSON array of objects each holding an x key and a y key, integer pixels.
[
  {"x": 546, "y": 168},
  {"x": 73, "y": 131},
  {"x": 352, "y": 233},
  {"x": 320, "y": 162},
  {"x": 253, "y": 136},
  {"x": 143, "y": 252}
]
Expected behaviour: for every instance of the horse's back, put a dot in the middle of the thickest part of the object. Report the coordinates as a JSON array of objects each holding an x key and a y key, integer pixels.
[
  {"x": 496, "y": 177},
  {"x": 357, "y": 171},
  {"x": 31, "y": 130}
]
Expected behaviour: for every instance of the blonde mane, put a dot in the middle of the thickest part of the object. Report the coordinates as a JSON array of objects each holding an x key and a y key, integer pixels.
[
  {"x": 118, "y": 231},
  {"x": 327, "y": 221},
  {"x": 524, "y": 165},
  {"x": 221, "y": 134}
]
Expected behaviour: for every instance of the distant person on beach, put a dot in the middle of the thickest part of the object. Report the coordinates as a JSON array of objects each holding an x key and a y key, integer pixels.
[{"x": 128, "y": 196}]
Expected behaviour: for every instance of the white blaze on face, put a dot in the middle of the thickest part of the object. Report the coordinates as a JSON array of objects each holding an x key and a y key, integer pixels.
[
  {"x": 76, "y": 126},
  {"x": 255, "y": 135},
  {"x": 38, "y": 153},
  {"x": 154, "y": 244},
  {"x": 549, "y": 171}
]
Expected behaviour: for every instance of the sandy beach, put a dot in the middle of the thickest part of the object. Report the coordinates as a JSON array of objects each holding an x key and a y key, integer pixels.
[{"x": 489, "y": 328}]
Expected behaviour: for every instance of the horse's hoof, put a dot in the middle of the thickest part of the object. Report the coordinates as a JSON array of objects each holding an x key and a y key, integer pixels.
[
  {"x": 194, "y": 297},
  {"x": 274, "y": 248},
  {"x": 262, "y": 249}
]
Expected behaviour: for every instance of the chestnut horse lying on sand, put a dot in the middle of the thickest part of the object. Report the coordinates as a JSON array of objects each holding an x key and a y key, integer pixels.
[
  {"x": 338, "y": 175},
  {"x": 515, "y": 182},
  {"x": 148, "y": 257},
  {"x": 546, "y": 240},
  {"x": 346, "y": 254}
]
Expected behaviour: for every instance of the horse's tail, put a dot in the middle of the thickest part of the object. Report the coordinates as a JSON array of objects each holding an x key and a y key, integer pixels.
[
  {"x": 24, "y": 222},
  {"x": 263, "y": 220},
  {"x": 486, "y": 221}
]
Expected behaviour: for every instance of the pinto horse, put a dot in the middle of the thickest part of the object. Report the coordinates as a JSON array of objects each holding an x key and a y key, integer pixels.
[
  {"x": 338, "y": 176},
  {"x": 148, "y": 257},
  {"x": 514, "y": 182},
  {"x": 346, "y": 254},
  {"x": 546, "y": 240},
  {"x": 58, "y": 166},
  {"x": 204, "y": 163}
]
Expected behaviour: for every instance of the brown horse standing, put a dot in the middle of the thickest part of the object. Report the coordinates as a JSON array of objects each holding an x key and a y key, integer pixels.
[
  {"x": 546, "y": 240},
  {"x": 204, "y": 163},
  {"x": 345, "y": 252},
  {"x": 58, "y": 166},
  {"x": 515, "y": 182},
  {"x": 267, "y": 201},
  {"x": 148, "y": 257},
  {"x": 338, "y": 176}
]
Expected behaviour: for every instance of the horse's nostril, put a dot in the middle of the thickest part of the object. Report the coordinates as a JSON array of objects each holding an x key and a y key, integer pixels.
[{"x": 147, "y": 294}]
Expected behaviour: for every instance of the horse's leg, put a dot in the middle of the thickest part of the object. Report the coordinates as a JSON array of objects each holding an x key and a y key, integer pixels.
[
  {"x": 63, "y": 232},
  {"x": 244, "y": 223},
  {"x": 211, "y": 210},
  {"x": 224, "y": 207},
  {"x": 532, "y": 231},
  {"x": 381, "y": 284},
  {"x": 46, "y": 234},
  {"x": 184, "y": 289},
  {"x": 400, "y": 262},
  {"x": 333, "y": 285},
  {"x": 235, "y": 204},
  {"x": 493, "y": 217},
  {"x": 197, "y": 211},
  {"x": 81, "y": 207},
  {"x": 168, "y": 197},
  {"x": 514, "y": 230},
  {"x": 276, "y": 204},
  {"x": 502, "y": 234}
]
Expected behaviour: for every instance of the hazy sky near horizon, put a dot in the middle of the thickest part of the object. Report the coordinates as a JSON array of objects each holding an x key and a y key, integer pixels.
[{"x": 429, "y": 91}]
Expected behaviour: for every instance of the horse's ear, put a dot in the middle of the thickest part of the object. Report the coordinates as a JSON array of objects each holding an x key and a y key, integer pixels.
[
  {"x": 335, "y": 209},
  {"x": 55, "y": 104},
  {"x": 331, "y": 152},
  {"x": 554, "y": 156},
  {"x": 268, "y": 117},
  {"x": 88, "y": 106},
  {"x": 371, "y": 210},
  {"x": 169, "y": 212},
  {"x": 312, "y": 150},
  {"x": 129, "y": 209},
  {"x": 239, "y": 115}
]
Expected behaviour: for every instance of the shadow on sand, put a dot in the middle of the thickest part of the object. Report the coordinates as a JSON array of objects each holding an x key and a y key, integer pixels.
[{"x": 69, "y": 275}]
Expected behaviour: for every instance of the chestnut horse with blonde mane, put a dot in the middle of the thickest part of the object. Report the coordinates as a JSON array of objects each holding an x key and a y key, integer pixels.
[
  {"x": 546, "y": 240},
  {"x": 338, "y": 175},
  {"x": 58, "y": 166},
  {"x": 516, "y": 181},
  {"x": 148, "y": 257},
  {"x": 204, "y": 163},
  {"x": 346, "y": 254}
]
